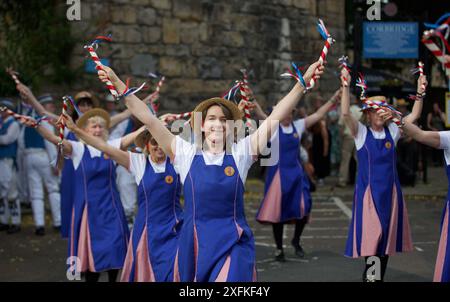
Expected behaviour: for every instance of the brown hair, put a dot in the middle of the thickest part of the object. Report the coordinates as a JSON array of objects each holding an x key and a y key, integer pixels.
[{"x": 225, "y": 110}]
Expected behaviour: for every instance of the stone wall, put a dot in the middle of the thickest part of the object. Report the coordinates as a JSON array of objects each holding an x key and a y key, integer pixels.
[{"x": 200, "y": 45}]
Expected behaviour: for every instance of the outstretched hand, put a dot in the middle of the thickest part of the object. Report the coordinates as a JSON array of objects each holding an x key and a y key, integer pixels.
[{"x": 67, "y": 121}]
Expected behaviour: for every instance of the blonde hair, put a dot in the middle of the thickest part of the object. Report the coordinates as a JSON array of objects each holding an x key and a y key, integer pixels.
[{"x": 101, "y": 121}]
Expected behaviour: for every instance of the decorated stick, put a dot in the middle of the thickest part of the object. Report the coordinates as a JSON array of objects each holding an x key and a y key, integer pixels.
[
  {"x": 23, "y": 118},
  {"x": 343, "y": 63},
  {"x": 436, "y": 51},
  {"x": 155, "y": 95},
  {"x": 419, "y": 70},
  {"x": 245, "y": 96},
  {"x": 323, "y": 55},
  {"x": 60, "y": 156},
  {"x": 91, "y": 49}
]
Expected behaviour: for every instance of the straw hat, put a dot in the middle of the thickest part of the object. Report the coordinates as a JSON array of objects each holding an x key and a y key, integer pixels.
[
  {"x": 402, "y": 102},
  {"x": 235, "y": 112},
  {"x": 81, "y": 122}
]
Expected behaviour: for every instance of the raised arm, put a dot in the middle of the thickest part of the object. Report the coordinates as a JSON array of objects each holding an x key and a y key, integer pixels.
[
  {"x": 138, "y": 108},
  {"x": 430, "y": 138},
  {"x": 418, "y": 104},
  {"x": 119, "y": 156},
  {"x": 116, "y": 119},
  {"x": 310, "y": 120},
  {"x": 128, "y": 139},
  {"x": 48, "y": 135},
  {"x": 29, "y": 97},
  {"x": 262, "y": 135},
  {"x": 350, "y": 121}
]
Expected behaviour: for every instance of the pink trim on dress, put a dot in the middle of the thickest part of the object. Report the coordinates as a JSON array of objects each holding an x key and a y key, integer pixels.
[
  {"x": 128, "y": 264},
  {"x": 271, "y": 207},
  {"x": 355, "y": 249},
  {"x": 84, "y": 244},
  {"x": 442, "y": 249},
  {"x": 407, "y": 240},
  {"x": 371, "y": 227},
  {"x": 176, "y": 272},
  {"x": 143, "y": 267},
  {"x": 195, "y": 252},
  {"x": 302, "y": 206},
  {"x": 255, "y": 275},
  {"x": 223, "y": 274},
  {"x": 393, "y": 225}
]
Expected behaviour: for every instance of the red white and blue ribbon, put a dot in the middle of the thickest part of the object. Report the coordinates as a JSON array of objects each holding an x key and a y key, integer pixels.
[
  {"x": 296, "y": 74},
  {"x": 230, "y": 95},
  {"x": 361, "y": 83},
  {"x": 91, "y": 49},
  {"x": 130, "y": 90}
]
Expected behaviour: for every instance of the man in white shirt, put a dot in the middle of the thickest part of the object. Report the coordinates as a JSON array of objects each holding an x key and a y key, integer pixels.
[{"x": 9, "y": 201}]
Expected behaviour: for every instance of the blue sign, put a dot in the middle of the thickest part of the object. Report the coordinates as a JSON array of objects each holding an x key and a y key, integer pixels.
[
  {"x": 89, "y": 67},
  {"x": 390, "y": 40}
]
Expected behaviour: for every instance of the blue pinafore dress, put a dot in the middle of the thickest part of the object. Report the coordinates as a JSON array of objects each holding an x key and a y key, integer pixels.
[
  {"x": 442, "y": 268},
  {"x": 379, "y": 223},
  {"x": 287, "y": 196},
  {"x": 216, "y": 243},
  {"x": 153, "y": 244},
  {"x": 67, "y": 187},
  {"x": 99, "y": 232}
]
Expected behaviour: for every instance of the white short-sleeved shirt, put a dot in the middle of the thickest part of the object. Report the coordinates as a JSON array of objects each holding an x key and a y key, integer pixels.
[
  {"x": 185, "y": 153},
  {"x": 360, "y": 138},
  {"x": 445, "y": 144},
  {"x": 78, "y": 150},
  {"x": 298, "y": 124},
  {"x": 138, "y": 163}
]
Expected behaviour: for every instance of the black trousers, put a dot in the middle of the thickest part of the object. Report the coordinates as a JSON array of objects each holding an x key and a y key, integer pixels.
[{"x": 278, "y": 232}]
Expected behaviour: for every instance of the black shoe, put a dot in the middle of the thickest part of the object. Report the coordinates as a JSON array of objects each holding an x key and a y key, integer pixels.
[
  {"x": 279, "y": 256},
  {"x": 40, "y": 231},
  {"x": 3, "y": 227},
  {"x": 13, "y": 229},
  {"x": 298, "y": 249},
  {"x": 57, "y": 228}
]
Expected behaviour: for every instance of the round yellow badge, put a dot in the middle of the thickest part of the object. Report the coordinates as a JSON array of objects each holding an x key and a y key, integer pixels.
[
  {"x": 229, "y": 171},
  {"x": 388, "y": 145},
  {"x": 296, "y": 135},
  {"x": 169, "y": 179},
  {"x": 105, "y": 156}
]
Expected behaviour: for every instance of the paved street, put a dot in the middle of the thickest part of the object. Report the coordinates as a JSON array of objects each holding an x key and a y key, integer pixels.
[{"x": 25, "y": 257}]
